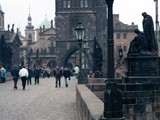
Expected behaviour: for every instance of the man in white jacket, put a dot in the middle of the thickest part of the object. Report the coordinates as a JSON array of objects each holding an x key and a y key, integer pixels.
[{"x": 23, "y": 73}]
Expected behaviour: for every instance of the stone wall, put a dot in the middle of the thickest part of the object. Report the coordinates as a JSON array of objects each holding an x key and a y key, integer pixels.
[
  {"x": 141, "y": 101},
  {"x": 89, "y": 106}
]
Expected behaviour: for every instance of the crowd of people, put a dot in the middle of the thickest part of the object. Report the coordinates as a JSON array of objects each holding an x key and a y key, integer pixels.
[{"x": 27, "y": 74}]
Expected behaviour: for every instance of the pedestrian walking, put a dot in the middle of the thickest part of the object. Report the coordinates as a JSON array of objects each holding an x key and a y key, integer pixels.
[
  {"x": 58, "y": 75},
  {"x": 36, "y": 75},
  {"x": 3, "y": 74},
  {"x": 23, "y": 73},
  {"x": 30, "y": 75},
  {"x": 48, "y": 72},
  {"x": 15, "y": 76},
  {"x": 76, "y": 71},
  {"x": 66, "y": 74}
]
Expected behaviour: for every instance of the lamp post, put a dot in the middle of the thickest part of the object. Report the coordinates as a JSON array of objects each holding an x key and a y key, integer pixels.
[
  {"x": 80, "y": 35},
  {"x": 112, "y": 96}
]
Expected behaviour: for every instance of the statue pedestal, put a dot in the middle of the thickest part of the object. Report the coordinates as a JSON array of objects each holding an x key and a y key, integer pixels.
[
  {"x": 111, "y": 118},
  {"x": 141, "y": 87},
  {"x": 142, "y": 69}
]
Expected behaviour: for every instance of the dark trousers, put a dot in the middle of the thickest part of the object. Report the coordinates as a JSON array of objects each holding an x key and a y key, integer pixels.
[
  {"x": 29, "y": 80},
  {"x": 36, "y": 80},
  {"x": 58, "y": 81},
  {"x": 3, "y": 79},
  {"x": 15, "y": 82},
  {"x": 24, "y": 82}
]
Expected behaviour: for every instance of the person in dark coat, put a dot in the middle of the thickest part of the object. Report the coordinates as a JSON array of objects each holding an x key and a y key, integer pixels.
[
  {"x": 3, "y": 74},
  {"x": 15, "y": 75},
  {"x": 30, "y": 75},
  {"x": 66, "y": 74},
  {"x": 58, "y": 75},
  {"x": 36, "y": 75}
]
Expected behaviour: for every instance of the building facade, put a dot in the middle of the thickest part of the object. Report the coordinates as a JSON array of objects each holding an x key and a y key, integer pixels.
[
  {"x": 123, "y": 35},
  {"x": 12, "y": 42}
]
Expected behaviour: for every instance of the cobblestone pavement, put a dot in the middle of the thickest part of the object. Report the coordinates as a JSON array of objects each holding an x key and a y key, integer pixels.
[{"x": 38, "y": 102}]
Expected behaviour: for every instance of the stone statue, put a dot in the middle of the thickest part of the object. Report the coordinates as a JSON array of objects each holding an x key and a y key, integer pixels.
[
  {"x": 12, "y": 30},
  {"x": 97, "y": 58},
  {"x": 144, "y": 43},
  {"x": 139, "y": 44},
  {"x": 8, "y": 27},
  {"x": 51, "y": 23},
  {"x": 148, "y": 29}
]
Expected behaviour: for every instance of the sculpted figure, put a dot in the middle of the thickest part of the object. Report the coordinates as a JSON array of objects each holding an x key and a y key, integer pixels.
[
  {"x": 148, "y": 29},
  {"x": 139, "y": 44}
]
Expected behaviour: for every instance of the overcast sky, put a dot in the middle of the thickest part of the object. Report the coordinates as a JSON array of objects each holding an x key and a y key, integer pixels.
[{"x": 17, "y": 11}]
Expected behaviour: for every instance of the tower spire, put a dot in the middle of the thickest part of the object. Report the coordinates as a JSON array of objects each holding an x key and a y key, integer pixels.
[
  {"x": 29, "y": 26},
  {"x": 1, "y": 19}
]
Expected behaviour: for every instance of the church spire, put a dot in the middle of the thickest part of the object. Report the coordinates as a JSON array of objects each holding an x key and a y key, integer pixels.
[
  {"x": 0, "y": 8},
  {"x": 1, "y": 11},
  {"x": 1, "y": 19},
  {"x": 29, "y": 26}
]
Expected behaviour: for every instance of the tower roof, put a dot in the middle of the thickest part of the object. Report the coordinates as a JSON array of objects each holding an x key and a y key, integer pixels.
[
  {"x": 1, "y": 9},
  {"x": 45, "y": 23},
  {"x": 29, "y": 26}
]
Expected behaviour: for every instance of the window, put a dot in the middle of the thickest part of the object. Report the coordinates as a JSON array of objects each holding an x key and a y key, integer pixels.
[
  {"x": 54, "y": 43},
  {"x": 41, "y": 51},
  {"x": 86, "y": 3},
  {"x": 124, "y": 48},
  {"x": 124, "y": 36},
  {"x": 51, "y": 44},
  {"x": 0, "y": 21},
  {"x": 118, "y": 26},
  {"x": 118, "y": 35},
  {"x": 81, "y": 4},
  {"x": 64, "y": 4},
  {"x": 69, "y": 4},
  {"x": 118, "y": 47},
  {"x": 45, "y": 50},
  {"x": 30, "y": 38}
]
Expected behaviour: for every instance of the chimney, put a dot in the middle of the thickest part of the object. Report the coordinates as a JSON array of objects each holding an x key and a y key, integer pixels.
[{"x": 116, "y": 16}]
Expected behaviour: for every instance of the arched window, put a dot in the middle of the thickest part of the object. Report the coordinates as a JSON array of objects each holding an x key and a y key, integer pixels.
[
  {"x": 81, "y": 4},
  {"x": 64, "y": 4},
  {"x": 69, "y": 4},
  {"x": 30, "y": 38},
  {"x": 86, "y": 3}
]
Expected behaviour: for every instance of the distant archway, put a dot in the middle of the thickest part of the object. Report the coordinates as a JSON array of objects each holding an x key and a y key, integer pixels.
[
  {"x": 52, "y": 64},
  {"x": 67, "y": 55}
]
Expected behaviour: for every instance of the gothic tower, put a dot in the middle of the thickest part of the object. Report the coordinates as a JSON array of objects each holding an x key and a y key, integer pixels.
[
  {"x": 70, "y": 12},
  {"x": 91, "y": 13},
  {"x": 1, "y": 19},
  {"x": 29, "y": 31}
]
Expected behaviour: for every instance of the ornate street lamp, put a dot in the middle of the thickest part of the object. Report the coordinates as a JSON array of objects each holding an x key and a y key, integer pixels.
[{"x": 80, "y": 35}]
